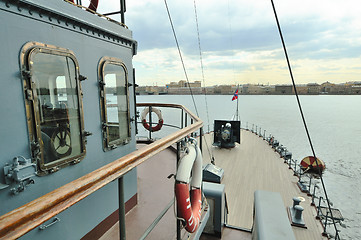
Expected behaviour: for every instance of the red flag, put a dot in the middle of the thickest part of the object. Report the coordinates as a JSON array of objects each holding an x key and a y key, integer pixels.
[{"x": 235, "y": 95}]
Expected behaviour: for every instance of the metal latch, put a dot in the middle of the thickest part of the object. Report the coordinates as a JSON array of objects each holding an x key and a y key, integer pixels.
[
  {"x": 21, "y": 172},
  {"x": 86, "y": 134},
  {"x": 82, "y": 78}
]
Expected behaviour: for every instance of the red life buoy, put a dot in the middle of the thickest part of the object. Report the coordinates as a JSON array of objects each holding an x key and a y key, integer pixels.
[
  {"x": 145, "y": 123},
  {"x": 93, "y": 5},
  {"x": 189, "y": 201}
]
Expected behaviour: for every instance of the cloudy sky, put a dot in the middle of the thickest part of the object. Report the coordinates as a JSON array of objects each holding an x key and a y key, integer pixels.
[{"x": 240, "y": 42}]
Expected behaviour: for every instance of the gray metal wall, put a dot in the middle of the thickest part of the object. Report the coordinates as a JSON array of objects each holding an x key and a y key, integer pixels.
[{"x": 75, "y": 29}]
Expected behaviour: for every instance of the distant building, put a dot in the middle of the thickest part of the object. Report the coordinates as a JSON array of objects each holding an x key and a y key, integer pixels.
[
  {"x": 269, "y": 89},
  {"x": 302, "y": 89},
  {"x": 283, "y": 89},
  {"x": 313, "y": 88},
  {"x": 327, "y": 87},
  {"x": 183, "y": 83},
  {"x": 223, "y": 89},
  {"x": 194, "y": 84},
  {"x": 183, "y": 87},
  {"x": 185, "y": 91}
]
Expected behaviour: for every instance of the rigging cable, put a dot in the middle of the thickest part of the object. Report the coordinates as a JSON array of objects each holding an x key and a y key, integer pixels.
[
  {"x": 201, "y": 60},
  {"x": 185, "y": 72},
  {"x": 303, "y": 117},
  {"x": 211, "y": 155},
  {"x": 180, "y": 55}
]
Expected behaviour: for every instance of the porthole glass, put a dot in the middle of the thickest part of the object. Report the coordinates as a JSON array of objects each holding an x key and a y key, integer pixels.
[{"x": 114, "y": 103}]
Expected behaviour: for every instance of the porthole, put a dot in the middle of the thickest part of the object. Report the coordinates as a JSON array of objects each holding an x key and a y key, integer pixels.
[
  {"x": 114, "y": 102},
  {"x": 53, "y": 105}
]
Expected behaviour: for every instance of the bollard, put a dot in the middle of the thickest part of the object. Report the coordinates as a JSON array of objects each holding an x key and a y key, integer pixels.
[
  {"x": 296, "y": 201},
  {"x": 298, "y": 212}
]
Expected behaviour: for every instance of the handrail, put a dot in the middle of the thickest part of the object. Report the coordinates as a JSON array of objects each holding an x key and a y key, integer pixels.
[{"x": 18, "y": 222}]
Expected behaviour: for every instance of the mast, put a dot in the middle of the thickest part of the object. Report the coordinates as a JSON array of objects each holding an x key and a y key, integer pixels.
[{"x": 237, "y": 116}]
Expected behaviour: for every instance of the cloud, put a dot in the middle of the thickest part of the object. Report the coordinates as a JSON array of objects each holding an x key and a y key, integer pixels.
[{"x": 240, "y": 40}]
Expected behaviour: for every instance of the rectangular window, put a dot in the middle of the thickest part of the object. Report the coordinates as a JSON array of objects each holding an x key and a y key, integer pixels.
[
  {"x": 55, "y": 107},
  {"x": 114, "y": 102}
]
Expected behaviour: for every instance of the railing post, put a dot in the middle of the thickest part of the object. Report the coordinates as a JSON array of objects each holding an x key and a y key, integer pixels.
[
  {"x": 121, "y": 213},
  {"x": 201, "y": 138},
  {"x": 179, "y": 223},
  {"x": 313, "y": 195},
  {"x": 150, "y": 122},
  {"x": 289, "y": 164},
  {"x": 325, "y": 226},
  {"x": 309, "y": 186},
  {"x": 191, "y": 124},
  {"x": 182, "y": 119},
  {"x": 185, "y": 120},
  {"x": 318, "y": 216}
]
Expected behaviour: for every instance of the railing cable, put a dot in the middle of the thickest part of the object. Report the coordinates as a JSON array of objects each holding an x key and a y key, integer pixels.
[{"x": 302, "y": 115}]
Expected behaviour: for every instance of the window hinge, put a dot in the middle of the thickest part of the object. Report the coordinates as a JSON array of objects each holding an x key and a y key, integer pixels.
[
  {"x": 29, "y": 94},
  {"x": 82, "y": 78},
  {"x": 54, "y": 169},
  {"x": 26, "y": 74},
  {"x": 130, "y": 84},
  {"x": 35, "y": 148},
  {"x": 101, "y": 83}
]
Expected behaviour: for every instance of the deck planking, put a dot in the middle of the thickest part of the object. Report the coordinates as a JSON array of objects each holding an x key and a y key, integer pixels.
[{"x": 254, "y": 165}]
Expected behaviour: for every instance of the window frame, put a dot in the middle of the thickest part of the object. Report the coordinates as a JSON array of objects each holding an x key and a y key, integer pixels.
[
  {"x": 33, "y": 111},
  {"x": 107, "y": 145}
]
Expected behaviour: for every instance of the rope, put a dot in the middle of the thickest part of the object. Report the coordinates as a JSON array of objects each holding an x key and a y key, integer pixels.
[
  {"x": 302, "y": 115},
  {"x": 181, "y": 58},
  {"x": 201, "y": 60},
  {"x": 204, "y": 84}
]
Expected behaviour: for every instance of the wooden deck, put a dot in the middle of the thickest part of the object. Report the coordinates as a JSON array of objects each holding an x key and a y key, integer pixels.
[
  {"x": 155, "y": 191},
  {"x": 253, "y": 165}
]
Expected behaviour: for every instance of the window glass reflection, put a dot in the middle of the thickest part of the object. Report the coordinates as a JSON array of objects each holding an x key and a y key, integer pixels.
[
  {"x": 116, "y": 104},
  {"x": 54, "y": 77}
]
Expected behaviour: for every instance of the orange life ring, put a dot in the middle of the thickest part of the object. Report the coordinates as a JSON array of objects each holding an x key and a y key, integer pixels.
[
  {"x": 146, "y": 124},
  {"x": 189, "y": 201}
]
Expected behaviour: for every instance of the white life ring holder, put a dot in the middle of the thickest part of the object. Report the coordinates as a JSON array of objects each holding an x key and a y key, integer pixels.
[
  {"x": 146, "y": 125},
  {"x": 189, "y": 199}
]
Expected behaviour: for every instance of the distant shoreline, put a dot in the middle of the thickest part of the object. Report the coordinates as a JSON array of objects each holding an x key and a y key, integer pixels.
[{"x": 255, "y": 94}]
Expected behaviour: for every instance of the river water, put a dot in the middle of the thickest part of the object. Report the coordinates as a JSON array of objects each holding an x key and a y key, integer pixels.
[{"x": 334, "y": 124}]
